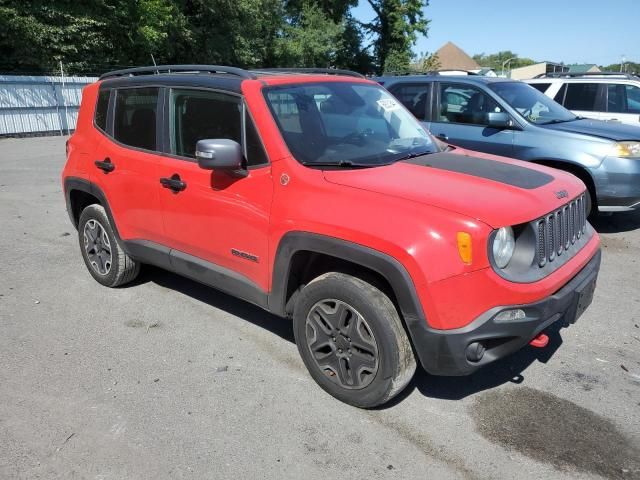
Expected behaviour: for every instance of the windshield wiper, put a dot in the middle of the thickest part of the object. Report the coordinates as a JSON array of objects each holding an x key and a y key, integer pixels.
[
  {"x": 558, "y": 120},
  {"x": 409, "y": 156},
  {"x": 340, "y": 164}
]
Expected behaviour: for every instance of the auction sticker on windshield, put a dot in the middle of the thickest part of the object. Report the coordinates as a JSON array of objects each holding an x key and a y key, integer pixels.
[{"x": 388, "y": 104}]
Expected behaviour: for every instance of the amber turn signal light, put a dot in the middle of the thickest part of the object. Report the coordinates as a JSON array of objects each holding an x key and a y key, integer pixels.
[{"x": 464, "y": 247}]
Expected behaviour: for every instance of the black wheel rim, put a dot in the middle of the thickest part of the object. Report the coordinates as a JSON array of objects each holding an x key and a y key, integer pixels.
[
  {"x": 342, "y": 344},
  {"x": 97, "y": 246}
]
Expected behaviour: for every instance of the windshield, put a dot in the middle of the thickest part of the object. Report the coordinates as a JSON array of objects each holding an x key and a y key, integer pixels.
[
  {"x": 345, "y": 124},
  {"x": 531, "y": 104}
]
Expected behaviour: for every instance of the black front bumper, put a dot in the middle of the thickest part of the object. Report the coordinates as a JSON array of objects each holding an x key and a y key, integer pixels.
[{"x": 446, "y": 352}]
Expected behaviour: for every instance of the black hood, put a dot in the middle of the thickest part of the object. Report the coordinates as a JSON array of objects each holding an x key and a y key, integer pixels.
[{"x": 508, "y": 173}]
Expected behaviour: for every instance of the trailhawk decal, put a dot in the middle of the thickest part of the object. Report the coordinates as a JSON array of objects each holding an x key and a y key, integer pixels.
[
  {"x": 247, "y": 256},
  {"x": 507, "y": 173}
]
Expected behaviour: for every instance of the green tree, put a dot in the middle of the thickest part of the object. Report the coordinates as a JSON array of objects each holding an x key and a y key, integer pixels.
[
  {"x": 311, "y": 39},
  {"x": 395, "y": 30},
  {"x": 496, "y": 60},
  {"x": 426, "y": 62},
  {"x": 627, "y": 67}
]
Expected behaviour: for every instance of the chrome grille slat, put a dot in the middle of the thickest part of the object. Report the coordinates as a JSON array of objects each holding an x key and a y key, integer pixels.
[{"x": 559, "y": 230}]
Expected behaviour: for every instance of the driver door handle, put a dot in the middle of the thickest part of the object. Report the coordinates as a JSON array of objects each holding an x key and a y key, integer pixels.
[
  {"x": 173, "y": 183},
  {"x": 105, "y": 165},
  {"x": 442, "y": 137}
]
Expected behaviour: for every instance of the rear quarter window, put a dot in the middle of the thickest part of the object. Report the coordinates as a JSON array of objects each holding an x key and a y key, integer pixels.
[
  {"x": 102, "y": 105},
  {"x": 541, "y": 87}
]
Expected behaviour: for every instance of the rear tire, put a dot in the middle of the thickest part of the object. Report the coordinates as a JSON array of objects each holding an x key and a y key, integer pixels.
[
  {"x": 102, "y": 254},
  {"x": 352, "y": 341}
]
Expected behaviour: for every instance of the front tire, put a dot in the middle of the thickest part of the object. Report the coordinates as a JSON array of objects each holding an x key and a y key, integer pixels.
[
  {"x": 103, "y": 255},
  {"x": 352, "y": 341}
]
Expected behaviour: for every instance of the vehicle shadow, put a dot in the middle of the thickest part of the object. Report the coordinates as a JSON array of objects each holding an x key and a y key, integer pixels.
[
  {"x": 509, "y": 369},
  {"x": 616, "y": 222},
  {"x": 217, "y": 299}
]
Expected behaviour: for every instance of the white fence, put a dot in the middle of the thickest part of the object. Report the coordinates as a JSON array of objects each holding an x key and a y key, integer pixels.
[{"x": 40, "y": 104}]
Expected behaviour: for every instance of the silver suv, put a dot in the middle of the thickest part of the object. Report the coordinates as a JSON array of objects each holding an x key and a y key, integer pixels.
[{"x": 601, "y": 95}]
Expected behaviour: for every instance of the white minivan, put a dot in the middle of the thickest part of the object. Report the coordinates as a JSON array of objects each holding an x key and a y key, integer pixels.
[{"x": 604, "y": 96}]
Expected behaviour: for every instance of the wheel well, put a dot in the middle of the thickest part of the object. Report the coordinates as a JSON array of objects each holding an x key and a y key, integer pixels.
[
  {"x": 79, "y": 200},
  {"x": 307, "y": 265},
  {"x": 576, "y": 170}
]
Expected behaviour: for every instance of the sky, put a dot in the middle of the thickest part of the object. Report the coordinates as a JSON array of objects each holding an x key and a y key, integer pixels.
[{"x": 570, "y": 31}]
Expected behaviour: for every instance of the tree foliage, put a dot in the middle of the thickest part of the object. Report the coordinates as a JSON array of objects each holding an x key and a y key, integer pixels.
[
  {"x": 395, "y": 30},
  {"x": 426, "y": 62},
  {"x": 35, "y": 35},
  {"x": 627, "y": 67},
  {"x": 497, "y": 60}
]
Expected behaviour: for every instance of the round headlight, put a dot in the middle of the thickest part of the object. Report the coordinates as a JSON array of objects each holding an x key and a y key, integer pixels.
[{"x": 503, "y": 246}]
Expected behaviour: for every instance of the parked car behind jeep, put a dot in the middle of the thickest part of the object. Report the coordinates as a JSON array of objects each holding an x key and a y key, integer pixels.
[
  {"x": 511, "y": 118},
  {"x": 320, "y": 198},
  {"x": 608, "y": 96}
]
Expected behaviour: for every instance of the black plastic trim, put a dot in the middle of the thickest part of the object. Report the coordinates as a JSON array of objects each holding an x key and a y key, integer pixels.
[
  {"x": 388, "y": 267},
  {"x": 443, "y": 352},
  {"x": 196, "y": 269},
  {"x": 81, "y": 184}
]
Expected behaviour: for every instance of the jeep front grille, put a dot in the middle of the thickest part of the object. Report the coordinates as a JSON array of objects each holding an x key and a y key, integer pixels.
[{"x": 560, "y": 229}]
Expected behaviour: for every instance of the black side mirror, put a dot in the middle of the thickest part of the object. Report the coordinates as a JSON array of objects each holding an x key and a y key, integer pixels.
[
  {"x": 219, "y": 154},
  {"x": 498, "y": 119}
]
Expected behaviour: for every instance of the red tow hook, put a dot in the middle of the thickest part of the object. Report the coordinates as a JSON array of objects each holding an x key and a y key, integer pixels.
[{"x": 540, "y": 341}]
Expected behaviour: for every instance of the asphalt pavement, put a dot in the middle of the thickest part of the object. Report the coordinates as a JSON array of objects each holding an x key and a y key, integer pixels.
[{"x": 169, "y": 379}]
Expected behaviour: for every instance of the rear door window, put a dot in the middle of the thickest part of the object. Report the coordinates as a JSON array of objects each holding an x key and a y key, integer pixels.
[
  {"x": 414, "y": 97},
  {"x": 582, "y": 96},
  {"x": 135, "y": 117}
]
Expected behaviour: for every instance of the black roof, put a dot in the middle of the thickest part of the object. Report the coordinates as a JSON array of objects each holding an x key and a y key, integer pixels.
[{"x": 212, "y": 76}]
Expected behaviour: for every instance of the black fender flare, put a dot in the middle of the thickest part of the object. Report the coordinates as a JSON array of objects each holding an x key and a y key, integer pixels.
[
  {"x": 83, "y": 185},
  {"x": 385, "y": 265}
]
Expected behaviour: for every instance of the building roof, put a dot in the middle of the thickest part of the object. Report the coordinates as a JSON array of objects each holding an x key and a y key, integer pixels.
[
  {"x": 583, "y": 68},
  {"x": 452, "y": 57}
]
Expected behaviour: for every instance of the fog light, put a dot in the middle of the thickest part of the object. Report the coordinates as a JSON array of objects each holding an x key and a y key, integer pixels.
[
  {"x": 510, "y": 315},
  {"x": 475, "y": 352}
]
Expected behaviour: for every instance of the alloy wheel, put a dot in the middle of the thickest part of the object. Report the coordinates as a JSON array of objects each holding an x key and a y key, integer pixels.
[
  {"x": 342, "y": 343},
  {"x": 97, "y": 247}
]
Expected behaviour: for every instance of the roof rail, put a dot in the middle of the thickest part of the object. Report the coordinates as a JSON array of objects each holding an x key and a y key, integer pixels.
[
  {"x": 325, "y": 71},
  {"x": 586, "y": 74},
  {"x": 132, "y": 72},
  {"x": 430, "y": 72}
]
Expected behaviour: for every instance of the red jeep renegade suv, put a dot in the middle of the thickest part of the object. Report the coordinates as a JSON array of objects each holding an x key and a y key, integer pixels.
[{"x": 315, "y": 195}]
